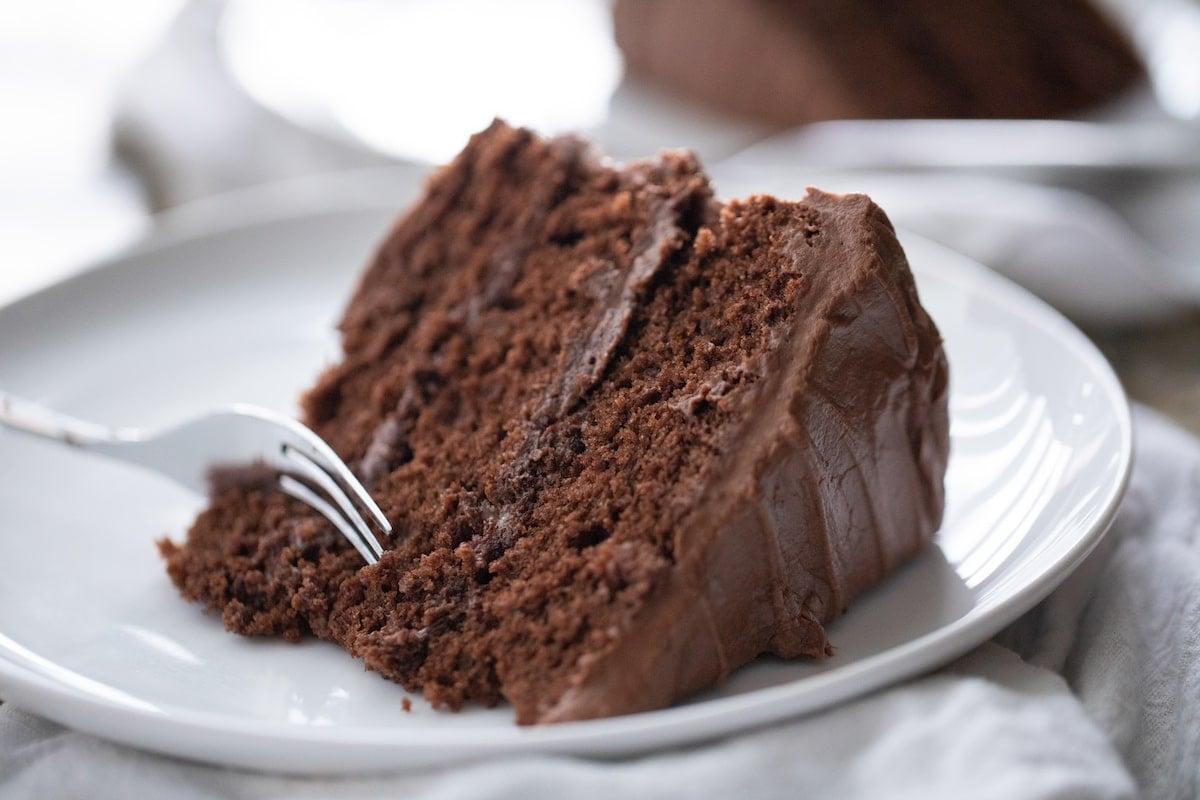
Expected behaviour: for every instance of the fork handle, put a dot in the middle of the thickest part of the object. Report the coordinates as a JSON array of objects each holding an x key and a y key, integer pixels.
[{"x": 29, "y": 417}]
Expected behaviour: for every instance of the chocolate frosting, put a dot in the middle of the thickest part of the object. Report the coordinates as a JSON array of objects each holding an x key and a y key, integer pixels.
[
  {"x": 585, "y": 365},
  {"x": 837, "y": 479}
]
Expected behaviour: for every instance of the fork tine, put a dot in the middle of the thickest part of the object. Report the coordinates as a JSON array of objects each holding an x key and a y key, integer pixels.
[
  {"x": 313, "y": 471},
  {"x": 305, "y": 495},
  {"x": 340, "y": 473}
]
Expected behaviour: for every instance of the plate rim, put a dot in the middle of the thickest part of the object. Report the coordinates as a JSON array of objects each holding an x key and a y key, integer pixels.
[{"x": 342, "y": 191}]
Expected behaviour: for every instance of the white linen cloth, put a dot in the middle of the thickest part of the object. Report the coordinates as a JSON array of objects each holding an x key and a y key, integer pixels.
[{"x": 1093, "y": 694}]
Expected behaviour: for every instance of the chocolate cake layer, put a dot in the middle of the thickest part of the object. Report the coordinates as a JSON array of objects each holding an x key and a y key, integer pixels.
[
  {"x": 789, "y": 62},
  {"x": 629, "y": 437}
]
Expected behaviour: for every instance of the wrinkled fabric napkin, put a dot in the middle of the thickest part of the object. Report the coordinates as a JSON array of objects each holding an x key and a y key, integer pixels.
[{"x": 1093, "y": 694}]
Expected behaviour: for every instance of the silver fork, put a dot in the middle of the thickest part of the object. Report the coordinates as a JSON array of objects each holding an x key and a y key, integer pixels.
[{"x": 189, "y": 451}]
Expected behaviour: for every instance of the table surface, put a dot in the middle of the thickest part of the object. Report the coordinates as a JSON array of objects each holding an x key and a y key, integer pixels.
[{"x": 1159, "y": 367}]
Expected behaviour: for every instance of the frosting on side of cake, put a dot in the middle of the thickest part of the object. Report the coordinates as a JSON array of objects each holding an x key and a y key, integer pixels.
[{"x": 835, "y": 481}]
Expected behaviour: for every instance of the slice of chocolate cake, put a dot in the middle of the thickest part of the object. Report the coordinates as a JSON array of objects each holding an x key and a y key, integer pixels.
[
  {"x": 793, "y": 61},
  {"x": 629, "y": 437}
]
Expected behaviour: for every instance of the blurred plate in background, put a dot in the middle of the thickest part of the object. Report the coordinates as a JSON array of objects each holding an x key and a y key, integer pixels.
[{"x": 413, "y": 78}]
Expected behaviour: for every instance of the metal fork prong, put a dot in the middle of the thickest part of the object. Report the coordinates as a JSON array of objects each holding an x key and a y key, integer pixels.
[
  {"x": 338, "y": 471},
  {"x": 313, "y": 471},
  {"x": 301, "y": 492}
]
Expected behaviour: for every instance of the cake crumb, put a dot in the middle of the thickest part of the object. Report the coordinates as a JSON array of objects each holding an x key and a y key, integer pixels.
[{"x": 406, "y": 704}]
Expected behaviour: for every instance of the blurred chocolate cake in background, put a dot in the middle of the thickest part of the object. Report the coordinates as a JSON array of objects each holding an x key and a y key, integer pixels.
[{"x": 794, "y": 61}]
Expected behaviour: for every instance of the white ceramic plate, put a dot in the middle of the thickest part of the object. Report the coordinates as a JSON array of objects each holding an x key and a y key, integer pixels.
[{"x": 235, "y": 299}]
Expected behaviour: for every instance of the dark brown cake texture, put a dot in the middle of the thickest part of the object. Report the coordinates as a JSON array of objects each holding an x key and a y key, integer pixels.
[
  {"x": 793, "y": 61},
  {"x": 629, "y": 437}
]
